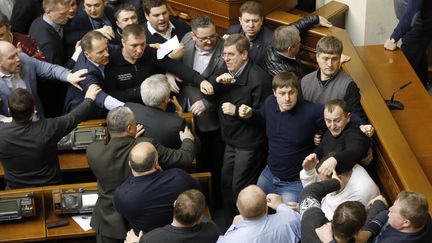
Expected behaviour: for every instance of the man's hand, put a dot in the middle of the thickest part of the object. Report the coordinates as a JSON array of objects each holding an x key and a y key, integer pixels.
[
  {"x": 245, "y": 111},
  {"x": 177, "y": 54},
  {"x": 179, "y": 109},
  {"x": 155, "y": 45},
  {"x": 186, "y": 134},
  {"x": 345, "y": 58},
  {"x": 225, "y": 36},
  {"x": 77, "y": 51},
  {"x": 172, "y": 82},
  {"x": 310, "y": 162},
  {"x": 131, "y": 237},
  {"x": 324, "y": 22},
  {"x": 140, "y": 130},
  {"x": 225, "y": 78},
  {"x": 274, "y": 200},
  {"x": 325, "y": 232},
  {"x": 379, "y": 198},
  {"x": 92, "y": 91},
  {"x": 328, "y": 166},
  {"x": 76, "y": 77},
  {"x": 317, "y": 139},
  {"x": 206, "y": 87},
  {"x": 228, "y": 108},
  {"x": 390, "y": 45},
  {"x": 198, "y": 107},
  {"x": 106, "y": 31},
  {"x": 367, "y": 129}
]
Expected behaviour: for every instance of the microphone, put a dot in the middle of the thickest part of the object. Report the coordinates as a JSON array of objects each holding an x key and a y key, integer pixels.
[{"x": 394, "y": 104}]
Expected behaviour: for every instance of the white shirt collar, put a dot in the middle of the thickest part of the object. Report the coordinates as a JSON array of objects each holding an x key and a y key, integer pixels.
[{"x": 168, "y": 33}]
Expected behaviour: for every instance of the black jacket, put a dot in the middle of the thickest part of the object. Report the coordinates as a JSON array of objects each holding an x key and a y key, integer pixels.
[{"x": 180, "y": 29}]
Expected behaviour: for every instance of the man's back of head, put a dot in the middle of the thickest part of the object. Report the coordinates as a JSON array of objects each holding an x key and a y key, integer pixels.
[
  {"x": 21, "y": 105},
  {"x": 119, "y": 120},
  {"x": 155, "y": 91},
  {"x": 189, "y": 207},
  {"x": 143, "y": 158},
  {"x": 348, "y": 218},
  {"x": 252, "y": 202},
  {"x": 285, "y": 37}
]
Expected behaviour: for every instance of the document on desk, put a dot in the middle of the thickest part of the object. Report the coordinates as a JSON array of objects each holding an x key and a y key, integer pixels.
[
  {"x": 167, "y": 47},
  {"x": 83, "y": 221}
]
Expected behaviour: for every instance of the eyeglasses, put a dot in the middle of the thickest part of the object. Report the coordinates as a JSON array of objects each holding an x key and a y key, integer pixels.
[{"x": 208, "y": 38}]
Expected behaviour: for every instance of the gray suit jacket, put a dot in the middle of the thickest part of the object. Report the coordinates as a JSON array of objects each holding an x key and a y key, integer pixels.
[
  {"x": 208, "y": 121},
  {"x": 32, "y": 68}
]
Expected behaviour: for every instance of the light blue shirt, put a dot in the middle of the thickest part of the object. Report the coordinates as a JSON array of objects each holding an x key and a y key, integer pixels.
[{"x": 283, "y": 226}]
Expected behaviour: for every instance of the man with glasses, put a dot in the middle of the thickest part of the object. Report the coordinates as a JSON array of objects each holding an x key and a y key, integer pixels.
[{"x": 203, "y": 52}]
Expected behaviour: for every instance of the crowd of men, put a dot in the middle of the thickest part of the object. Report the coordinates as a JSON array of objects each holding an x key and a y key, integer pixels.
[{"x": 272, "y": 135}]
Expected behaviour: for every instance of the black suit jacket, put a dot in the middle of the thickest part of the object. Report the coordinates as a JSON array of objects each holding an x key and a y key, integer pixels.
[
  {"x": 23, "y": 14},
  {"x": 180, "y": 29},
  {"x": 161, "y": 125},
  {"x": 109, "y": 163}
]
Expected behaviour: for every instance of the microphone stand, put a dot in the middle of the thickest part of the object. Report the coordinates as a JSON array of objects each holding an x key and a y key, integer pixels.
[{"x": 395, "y": 104}]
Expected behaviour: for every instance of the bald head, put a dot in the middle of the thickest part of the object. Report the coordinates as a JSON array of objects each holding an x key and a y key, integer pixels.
[
  {"x": 9, "y": 60},
  {"x": 252, "y": 202},
  {"x": 143, "y": 157}
]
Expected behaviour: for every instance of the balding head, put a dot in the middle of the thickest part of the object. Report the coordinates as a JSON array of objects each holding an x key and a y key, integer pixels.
[
  {"x": 9, "y": 60},
  {"x": 143, "y": 158},
  {"x": 252, "y": 202}
]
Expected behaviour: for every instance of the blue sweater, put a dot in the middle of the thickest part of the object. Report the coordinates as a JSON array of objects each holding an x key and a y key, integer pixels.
[{"x": 290, "y": 134}]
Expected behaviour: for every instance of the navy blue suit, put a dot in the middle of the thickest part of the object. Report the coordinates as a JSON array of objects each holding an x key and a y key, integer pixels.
[{"x": 74, "y": 96}]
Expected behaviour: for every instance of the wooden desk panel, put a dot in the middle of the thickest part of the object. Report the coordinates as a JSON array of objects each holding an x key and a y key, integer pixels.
[
  {"x": 390, "y": 70},
  {"x": 27, "y": 229}
]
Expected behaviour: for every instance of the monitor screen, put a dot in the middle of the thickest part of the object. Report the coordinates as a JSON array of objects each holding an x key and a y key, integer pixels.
[
  {"x": 83, "y": 137},
  {"x": 9, "y": 206},
  {"x": 89, "y": 199}
]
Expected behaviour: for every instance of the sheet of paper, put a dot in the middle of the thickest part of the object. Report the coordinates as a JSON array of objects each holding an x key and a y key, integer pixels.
[
  {"x": 89, "y": 200},
  {"x": 83, "y": 221},
  {"x": 167, "y": 47}
]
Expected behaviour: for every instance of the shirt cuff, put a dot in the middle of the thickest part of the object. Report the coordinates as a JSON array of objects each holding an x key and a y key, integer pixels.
[{"x": 111, "y": 103}]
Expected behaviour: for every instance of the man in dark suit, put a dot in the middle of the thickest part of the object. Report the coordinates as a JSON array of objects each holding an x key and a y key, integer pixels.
[
  {"x": 23, "y": 14},
  {"x": 203, "y": 52},
  {"x": 28, "y": 149},
  {"x": 159, "y": 124},
  {"x": 109, "y": 163},
  {"x": 94, "y": 58},
  {"x": 94, "y": 16},
  {"x": 47, "y": 30},
  {"x": 160, "y": 27}
]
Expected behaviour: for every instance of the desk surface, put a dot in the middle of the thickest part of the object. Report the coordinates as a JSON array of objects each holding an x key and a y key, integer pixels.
[
  {"x": 390, "y": 70},
  {"x": 27, "y": 229}
]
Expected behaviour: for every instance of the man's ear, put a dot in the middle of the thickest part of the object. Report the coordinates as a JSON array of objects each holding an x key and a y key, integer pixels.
[
  {"x": 146, "y": 16},
  {"x": 349, "y": 116},
  {"x": 86, "y": 54}
]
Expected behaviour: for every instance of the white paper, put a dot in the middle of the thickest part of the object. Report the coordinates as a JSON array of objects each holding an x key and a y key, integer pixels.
[
  {"x": 89, "y": 200},
  {"x": 83, "y": 221},
  {"x": 167, "y": 47}
]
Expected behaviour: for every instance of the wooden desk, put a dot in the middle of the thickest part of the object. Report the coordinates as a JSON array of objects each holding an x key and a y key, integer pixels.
[
  {"x": 27, "y": 229},
  {"x": 390, "y": 70},
  {"x": 73, "y": 230}
]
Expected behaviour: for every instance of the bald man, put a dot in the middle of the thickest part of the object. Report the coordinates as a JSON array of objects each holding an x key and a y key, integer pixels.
[
  {"x": 146, "y": 198},
  {"x": 17, "y": 70},
  {"x": 254, "y": 225}
]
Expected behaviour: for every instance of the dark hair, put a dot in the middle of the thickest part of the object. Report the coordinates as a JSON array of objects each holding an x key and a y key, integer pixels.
[
  {"x": 189, "y": 206},
  {"x": 133, "y": 29},
  {"x": 149, "y": 4},
  {"x": 329, "y": 45},
  {"x": 202, "y": 21},
  {"x": 146, "y": 162},
  {"x": 332, "y": 104},
  {"x": 241, "y": 42},
  {"x": 4, "y": 21},
  {"x": 86, "y": 41},
  {"x": 127, "y": 7},
  {"x": 285, "y": 79},
  {"x": 21, "y": 105},
  {"x": 348, "y": 218},
  {"x": 251, "y": 7}
]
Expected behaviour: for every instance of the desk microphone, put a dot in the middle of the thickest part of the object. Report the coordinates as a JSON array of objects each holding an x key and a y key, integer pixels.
[{"x": 394, "y": 104}]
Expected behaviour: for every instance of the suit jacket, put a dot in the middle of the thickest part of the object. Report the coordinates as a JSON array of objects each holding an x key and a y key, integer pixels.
[
  {"x": 161, "y": 125},
  {"x": 74, "y": 96},
  {"x": 109, "y": 163},
  {"x": 48, "y": 40},
  {"x": 180, "y": 29},
  {"x": 207, "y": 121},
  {"x": 31, "y": 69},
  {"x": 23, "y": 14},
  {"x": 75, "y": 29}
]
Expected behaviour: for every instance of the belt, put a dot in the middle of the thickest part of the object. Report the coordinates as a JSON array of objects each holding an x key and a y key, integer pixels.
[{"x": 291, "y": 179}]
